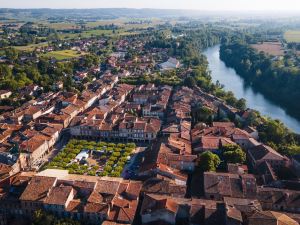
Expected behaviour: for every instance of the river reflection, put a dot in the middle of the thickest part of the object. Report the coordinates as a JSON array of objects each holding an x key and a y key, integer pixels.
[{"x": 233, "y": 82}]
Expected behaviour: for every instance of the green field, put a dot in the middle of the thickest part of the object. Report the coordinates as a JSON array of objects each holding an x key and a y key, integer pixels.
[
  {"x": 292, "y": 36},
  {"x": 61, "y": 55},
  {"x": 31, "y": 47}
]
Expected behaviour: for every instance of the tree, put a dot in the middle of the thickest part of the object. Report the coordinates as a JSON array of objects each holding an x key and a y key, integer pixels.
[
  {"x": 11, "y": 54},
  {"x": 189, "y": 82},
  {"x": 233, "y": 154},
  {"x": 209, "y": 161},
  {"x": 241, "y": 104}
]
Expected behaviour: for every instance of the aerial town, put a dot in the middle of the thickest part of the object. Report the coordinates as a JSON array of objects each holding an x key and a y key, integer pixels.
[{"x": 139, "y": 137}]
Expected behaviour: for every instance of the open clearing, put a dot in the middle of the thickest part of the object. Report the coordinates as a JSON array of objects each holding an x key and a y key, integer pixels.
[
  {"x": 271, "y": 48},
  {"x": 31, "y": 47},
  {"x": 292, "y": 36},
  {"x": 65, "y": 54}
]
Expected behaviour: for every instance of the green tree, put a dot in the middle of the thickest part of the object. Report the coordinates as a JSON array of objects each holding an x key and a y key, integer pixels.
[
  {"x": 209, "y": 161},
  {"x": 233, "y": 154}
]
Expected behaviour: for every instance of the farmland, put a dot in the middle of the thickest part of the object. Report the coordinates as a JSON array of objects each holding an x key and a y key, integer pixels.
[
  {"x": 292, "y": 36},
  {"x": 31, "y": 47},
  {"x": 271, "y": 48},
  {"x": 64, "y": 54}
]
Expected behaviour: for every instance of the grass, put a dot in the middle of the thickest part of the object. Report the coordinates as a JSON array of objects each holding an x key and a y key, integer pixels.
[
  {"x": 271, "y": 48},
  {"x": 90, "y": 33},
  {"x": 31, "y": 47},
  {"x": 64, "y": 54},
  {"x": 292, "y": 36}
]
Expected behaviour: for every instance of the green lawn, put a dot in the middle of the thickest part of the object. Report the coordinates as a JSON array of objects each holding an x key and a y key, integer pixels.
[
  {"x": 64, "y": 54},
  {"x": 292, "y": 36}
]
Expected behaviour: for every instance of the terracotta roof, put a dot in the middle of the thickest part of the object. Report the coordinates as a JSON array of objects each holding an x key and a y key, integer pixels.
[
  {"x": 107, "y": 187},
  {"x": 38, "y": 188},
  {"x": 59, "y": 195},
  {"x": 271, "y": 218}
]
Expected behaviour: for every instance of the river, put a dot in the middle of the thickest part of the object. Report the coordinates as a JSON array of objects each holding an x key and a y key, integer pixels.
[{"x": 233, "y": 82}]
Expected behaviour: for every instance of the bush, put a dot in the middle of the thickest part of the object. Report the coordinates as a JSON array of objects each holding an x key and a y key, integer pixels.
[
  {"x": 91, "y": 173},
  {"x": 110, "y": 163},
  {"x": 103, "y": 157},
  {"x": 120, "y": 145},
  {"x": 123, "y": 159},
  {"x": 118, "y": 169},
  {"x": 104, "y": 173},
  {"x": 115, "y": 174},
  {"x": 108, "y": 169},
  {"x": 131, "y": 145},
  {"x": 121, "y": 164},
  {"x": 112, "y": 145},
  {"x": 109, "y": 149},
  {"x": 116, "y": 154},
  {"x": 113, "y": 158},
  {"x": 117, "y": 149}
]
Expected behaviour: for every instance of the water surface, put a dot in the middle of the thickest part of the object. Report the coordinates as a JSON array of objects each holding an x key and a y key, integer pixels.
[{"x": 233, "y": 82}]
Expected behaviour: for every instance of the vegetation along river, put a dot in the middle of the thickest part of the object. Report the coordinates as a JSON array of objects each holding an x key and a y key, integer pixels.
[{"x": 233, "y": 82}]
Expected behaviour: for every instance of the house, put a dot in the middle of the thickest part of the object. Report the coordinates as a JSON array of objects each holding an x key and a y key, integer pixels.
[
  {"x": 211, "y": 143},
  {"x": 279, "y": 199},
  {"x": 78, "y": 197},
  {"x": 172, "y": 63},
  {"x": 261, "y": 153},
  {"x": 271, "y": 218},
  {"x": 32, "y": 113},
  {"x": 219, "y": 185},
  {"x": 5, "y": 94},
  {"x": 164, "y": 209},
  {"x": 35, "y": 193},
  {"x": 160, "y": 185}
]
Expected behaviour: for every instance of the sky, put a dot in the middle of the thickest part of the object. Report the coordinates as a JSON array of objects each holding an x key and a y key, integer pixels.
[{"x": 207, "y": 5}]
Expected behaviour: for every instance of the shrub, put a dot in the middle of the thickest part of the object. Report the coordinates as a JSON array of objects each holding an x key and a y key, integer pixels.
[
  {"x": 95, "y": 167},
  {"x": 111, "y": 145},
  {"x": 109, "y": 149},
  {"x": 91, "y": 173},
  {"x": 108, "y": 169},
  {"x": 113, "y": 158},
  {"x": 104, "y": 173},
  {"x": 123, "y": 159},
  {"x": 116, "y": 154},
  {"x": 118, "y": 169},
  {"x": 115, "y": 174},
  {"x": 131, "y": 145},
  {"x": 121, "y": 164},
  {"x": 120, "y": 145},
  {"x": 110, "y": 163},
  {"x": 103, "y": 157},
  {"x": 117, "y": 149}
]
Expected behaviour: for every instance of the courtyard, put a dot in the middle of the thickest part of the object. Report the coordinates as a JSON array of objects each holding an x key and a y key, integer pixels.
[{"x": 93, "y": 158}]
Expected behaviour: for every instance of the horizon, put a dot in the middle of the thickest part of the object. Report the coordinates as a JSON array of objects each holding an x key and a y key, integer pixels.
[{"x": 194, "y": 5}]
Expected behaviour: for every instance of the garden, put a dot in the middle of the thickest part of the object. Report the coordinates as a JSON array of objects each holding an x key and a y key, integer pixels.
[{"x": 93, "y": 158}]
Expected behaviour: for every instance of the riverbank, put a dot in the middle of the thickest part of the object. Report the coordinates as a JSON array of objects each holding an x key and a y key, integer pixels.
[{"x": 235, "y": 83}]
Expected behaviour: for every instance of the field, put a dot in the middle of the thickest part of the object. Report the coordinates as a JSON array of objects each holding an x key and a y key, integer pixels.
[
  {"x": 61, "y": 55},
  {"x": 30, "y": 47},
  {"x": 271, "y": 48},
  {"x": 292, "y": 36},
  {"x": 93, "y": 158}
]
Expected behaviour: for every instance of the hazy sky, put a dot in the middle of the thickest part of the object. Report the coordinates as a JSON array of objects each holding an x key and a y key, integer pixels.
[{"x": 211, "y": 5}]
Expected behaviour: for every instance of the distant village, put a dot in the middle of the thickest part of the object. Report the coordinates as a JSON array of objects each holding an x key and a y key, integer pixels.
[{"x": 159, "y": 180}]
